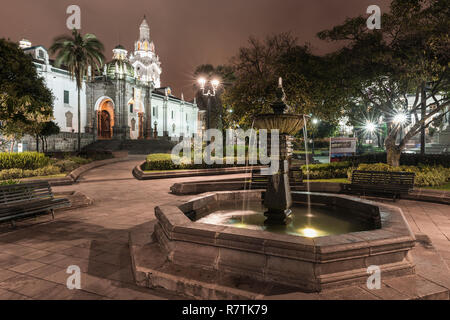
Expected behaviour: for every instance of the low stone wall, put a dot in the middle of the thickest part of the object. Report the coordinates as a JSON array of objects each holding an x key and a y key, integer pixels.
[
  {"x": 310, "y": 265},
  {"x": 139, "y": 174},
  {"x": 72, "y": 177},
  {"x": 65, "y": 142}
]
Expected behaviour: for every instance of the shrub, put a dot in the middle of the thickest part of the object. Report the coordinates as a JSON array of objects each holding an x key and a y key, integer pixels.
[
  {"x": 424, "y": 175},
  {"x": 66, "y": 165},
  {"x": 9, "y": 182},
  {"x": 23, "y": 160},
  {"x": 327, "y": 170},
  {"x": 20, "y": 174},
  {"x": 406, "y": 159},
  {"x": 163, "y": 161}
]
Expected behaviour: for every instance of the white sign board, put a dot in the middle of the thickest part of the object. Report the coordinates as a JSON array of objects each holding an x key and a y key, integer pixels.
[{"x": 342, "y": 146}]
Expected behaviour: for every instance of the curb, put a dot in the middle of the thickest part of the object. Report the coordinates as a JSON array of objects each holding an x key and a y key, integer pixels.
[{"x": 73, "y": 176}]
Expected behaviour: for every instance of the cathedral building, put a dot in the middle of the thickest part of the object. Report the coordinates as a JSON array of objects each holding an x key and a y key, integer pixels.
[{"x": 125, "y": 102}]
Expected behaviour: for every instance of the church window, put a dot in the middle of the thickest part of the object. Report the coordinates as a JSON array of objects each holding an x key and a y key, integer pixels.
[
  {"x": 69, "y": 118},
  {"x": 66, "y": 97},
  {"x": 173, "y": 127},
  {"x": 133, "y": 125},
  {"x": 154, "y": 111},
  {"x": 172, "y": 114},
  {"x": 41, "y": 54},
  {"x": 186, "y": 118},
  {"x": 131, "y": 108}
]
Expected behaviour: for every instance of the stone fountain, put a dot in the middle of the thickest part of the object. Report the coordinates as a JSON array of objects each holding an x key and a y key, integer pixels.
[
  {"x": 278, "y": 199},
  {"x": 216, "y": 246}
]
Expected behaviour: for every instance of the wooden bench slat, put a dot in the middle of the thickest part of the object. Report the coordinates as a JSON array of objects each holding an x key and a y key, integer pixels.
[
  {"x": 21, "y": 200},
  {"x": 395, "y": 183}
]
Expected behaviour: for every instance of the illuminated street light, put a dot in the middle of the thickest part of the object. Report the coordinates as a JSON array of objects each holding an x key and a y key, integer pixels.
[
  {"x": 400, "y": 118},
  {"x": 370, "y": 127},
  {"x": 315, "y": 121},
  {"x": 202, "y": 82},
  {"x": 214, "y": 85}
]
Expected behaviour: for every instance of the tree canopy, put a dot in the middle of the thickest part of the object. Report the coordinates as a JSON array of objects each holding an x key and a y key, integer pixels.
[
  {"x": 400, "y": 68},
  {"x": 24, "y": 98}
]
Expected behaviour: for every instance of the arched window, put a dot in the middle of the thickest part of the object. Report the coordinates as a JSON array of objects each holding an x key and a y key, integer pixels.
[
  {"x": 69, "y": 119},
  {"x": 133, "y": 125},
  {"x": 173, "y": 127}
]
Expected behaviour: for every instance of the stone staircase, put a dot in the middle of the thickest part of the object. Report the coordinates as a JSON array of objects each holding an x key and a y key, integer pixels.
[{"x": 133, "y": 146}]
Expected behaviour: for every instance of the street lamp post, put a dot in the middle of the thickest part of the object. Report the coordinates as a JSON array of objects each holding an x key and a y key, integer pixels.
[
  {"x": 315, "y": 121},
  {"x": 208, "y": 93}
]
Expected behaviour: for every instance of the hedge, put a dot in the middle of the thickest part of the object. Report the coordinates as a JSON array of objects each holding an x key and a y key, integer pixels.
[
  {"x": 17, "y": 173},
  {"x": 327, "y": 170},
  {"x": 23, "y": 160},
  {"x": 163, "y": 161},
  {"x": 407, "y": 159},
  {"x": 424, "y": 175}
]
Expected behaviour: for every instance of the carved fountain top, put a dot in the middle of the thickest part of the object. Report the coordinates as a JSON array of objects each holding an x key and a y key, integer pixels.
[{"x": 286, "y": 123}]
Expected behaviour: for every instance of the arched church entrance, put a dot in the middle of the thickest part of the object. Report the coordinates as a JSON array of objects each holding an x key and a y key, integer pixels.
[{"x": 105, "y": 119}]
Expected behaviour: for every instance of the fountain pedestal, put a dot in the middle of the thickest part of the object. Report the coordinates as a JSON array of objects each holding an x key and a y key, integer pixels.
[{"x": 278, "y": 197}]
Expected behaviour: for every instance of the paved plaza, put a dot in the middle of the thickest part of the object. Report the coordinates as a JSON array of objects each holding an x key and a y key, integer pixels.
[{"x": 35, "y": 256}]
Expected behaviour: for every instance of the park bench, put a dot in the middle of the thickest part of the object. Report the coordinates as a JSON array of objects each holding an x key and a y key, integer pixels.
[
  {"x": 381, "y": 182},
  {"x": 28, "y": 199},
  {"x": 259, "y": 181}
]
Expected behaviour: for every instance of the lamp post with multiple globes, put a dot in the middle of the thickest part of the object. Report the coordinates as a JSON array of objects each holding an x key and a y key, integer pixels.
[{"x": 210, "y": 92}]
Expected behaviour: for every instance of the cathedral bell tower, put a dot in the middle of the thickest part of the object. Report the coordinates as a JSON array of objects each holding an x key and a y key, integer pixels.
[{"x": 145, "y": 62}]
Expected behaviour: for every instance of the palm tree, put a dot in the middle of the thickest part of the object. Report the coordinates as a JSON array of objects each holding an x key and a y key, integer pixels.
[{"x": 78, "y": 53}]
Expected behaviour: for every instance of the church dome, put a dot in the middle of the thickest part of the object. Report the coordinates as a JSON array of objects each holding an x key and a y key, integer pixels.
[{"x": 119, "y": 67}]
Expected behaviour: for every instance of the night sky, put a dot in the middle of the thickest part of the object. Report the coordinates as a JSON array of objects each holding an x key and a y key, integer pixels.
[{"x": 186, "y": 33}]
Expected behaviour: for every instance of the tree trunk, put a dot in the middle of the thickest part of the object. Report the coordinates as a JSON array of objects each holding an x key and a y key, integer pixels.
[
  {"x": 393, "y": 152},
  {"x": 37, "y": 143},
  {"x": 79, "y": 121},
  {"x": 423, "y": 111}
]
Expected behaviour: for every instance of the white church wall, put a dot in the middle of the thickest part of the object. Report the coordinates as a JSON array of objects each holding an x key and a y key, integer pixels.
[{"x": 59, "y": 81}]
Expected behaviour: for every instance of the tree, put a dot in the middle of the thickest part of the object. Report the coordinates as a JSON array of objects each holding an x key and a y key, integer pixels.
[
  {"x": 401, "y": 68},
  {"x": 256, "y": 71},
  {"x": 78, "y": 53},
  {"x": 307, "y": 82},
  {"x": 25, "y": 101},
  {"x": 48, "y": 129}
]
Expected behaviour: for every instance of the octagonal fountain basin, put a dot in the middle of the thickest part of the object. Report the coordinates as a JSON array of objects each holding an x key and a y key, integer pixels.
[{"x": 329, "y": 246}]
